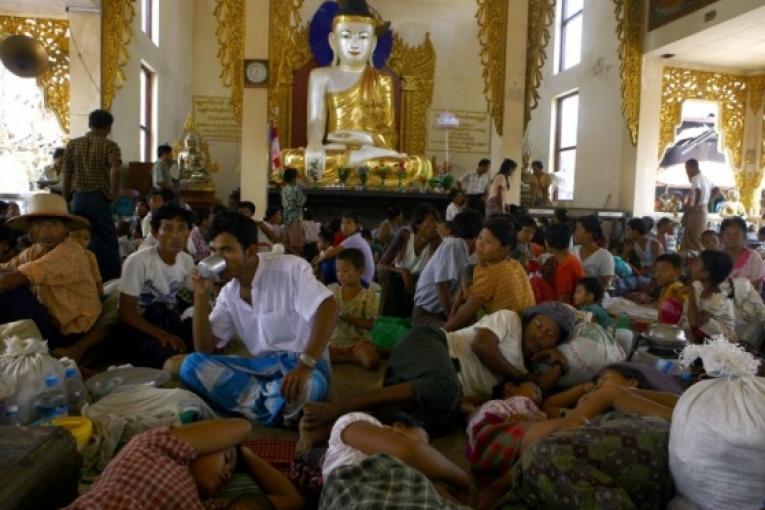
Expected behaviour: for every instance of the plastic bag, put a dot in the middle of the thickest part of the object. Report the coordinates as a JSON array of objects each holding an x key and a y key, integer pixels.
[
  {"x": 28, "y": 363},
  {"x": 717, "y": 440},
  {"x": 388, "y": 330},
  {"x": 590, "y": 349}
]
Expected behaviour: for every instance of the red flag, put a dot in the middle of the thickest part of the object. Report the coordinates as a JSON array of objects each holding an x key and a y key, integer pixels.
[{"x": 276, "y": 160}]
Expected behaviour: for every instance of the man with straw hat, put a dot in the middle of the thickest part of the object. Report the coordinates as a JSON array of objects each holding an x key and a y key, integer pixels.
[{"x": 51, "y": 282}]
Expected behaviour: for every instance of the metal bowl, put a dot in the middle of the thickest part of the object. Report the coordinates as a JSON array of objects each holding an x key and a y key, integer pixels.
[{"x": 665, "y": 336}]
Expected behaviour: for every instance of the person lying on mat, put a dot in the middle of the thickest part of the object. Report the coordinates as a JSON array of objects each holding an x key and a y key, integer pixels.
[{"x": 189, "y": 467}]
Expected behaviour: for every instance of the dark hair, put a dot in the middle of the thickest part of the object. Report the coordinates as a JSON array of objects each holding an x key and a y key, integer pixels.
[
  {"x": 453, "y": 194},
  {"x": 693, "y": 163},
  {"x": 271, "y": 211},
  {"x": 246, "y": 205},
  {"x": 153, "y": 193},
  {"x": 352, "y": 215},
  {"x": 592, "y": 285},
  {"x": 366, "y": 233},
  {"x": 7, "y": 235},
  {"x": 638, "y": 225},
  {"x": 334, "y": 225},
  {"x": 449, "y": 224},
  {"x": 422, "y": 211},
  {"x": 627, "y": 372},
  {"x": 649, "y": 223},
  {"x": 100, "y": 119},
  {"x": 468, "y": 224},
  {"x": 163, "y": 149},
  {"x": 671, "y": 258},
  {"x": 171, "y": 212},
  {"x": 58, "y": 152},
  {"x": 718, "y": 264},
  {"x": 290, "y": 175},
  {"x": 392, "y": 212},
  {"x": 217, "y": 209},
  {"x": 326, "y": 235},
  {"x": 592, "y": 225},
  {"x": 519, "y": 210},
  {"x": 498, "y": 390},
  {"x": 558, "y": 236},
  {"x": 243, "y": 228},
  {"x": 503, "y": 229},
  {"x": 390, "y": 416},
  {"x": 537, "y": 164},
  {"x": 123, "y": 228},
  {"x": 200, "y": 215},
  {"x": 507, "y": 167},
  {"x": 663, "y": 221},
  {"x": 354, "y": 256},
  {"x": 761, "y": 230},
  {"x": 710, "y": 232},
  {"x": 561, "y": 214},
  {"x": 527, "y": 221},
  {"x": 484, "y": 162},
  {"x": 235, "y": 195},
  {"x": 734, "y": 221}
]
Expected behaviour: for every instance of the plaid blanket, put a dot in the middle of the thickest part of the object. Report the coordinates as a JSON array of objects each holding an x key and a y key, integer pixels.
[{"x": 380, "y": 482}]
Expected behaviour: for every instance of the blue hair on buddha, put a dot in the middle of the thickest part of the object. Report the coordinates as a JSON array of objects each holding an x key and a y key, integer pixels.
[{"x": 320, "y": 28}]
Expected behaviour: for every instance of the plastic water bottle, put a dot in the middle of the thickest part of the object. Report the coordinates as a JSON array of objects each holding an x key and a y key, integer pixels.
[
  {"x": 75, "y": 390},
  {"x": 52, "y": 402}
]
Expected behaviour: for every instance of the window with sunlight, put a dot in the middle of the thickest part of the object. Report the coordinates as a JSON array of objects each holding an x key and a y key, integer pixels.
[
  {"x": 149, "y": 19},
  {"x": 698, "y": 137},
  {"x": 566, "y": 122},
  {"x": 28, "y": 133},
  {"x": 570, "y": 44}
]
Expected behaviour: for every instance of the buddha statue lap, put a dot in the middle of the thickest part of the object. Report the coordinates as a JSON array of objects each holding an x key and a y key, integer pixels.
[{"x": 351, "y": 115}]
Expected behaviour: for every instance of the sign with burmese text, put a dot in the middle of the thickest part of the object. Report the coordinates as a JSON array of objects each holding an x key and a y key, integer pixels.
[
  {"x": 473, "y": 136},
  {"x": 215, "y": 119}
]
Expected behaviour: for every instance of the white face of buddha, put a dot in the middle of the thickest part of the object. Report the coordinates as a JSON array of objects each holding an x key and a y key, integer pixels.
[{"x": 353, "y": 42}]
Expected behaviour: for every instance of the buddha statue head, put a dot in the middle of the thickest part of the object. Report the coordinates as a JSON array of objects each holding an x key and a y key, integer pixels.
[
  {"x": 354, "y": 35},
  {"x": 191, "y": 142}
]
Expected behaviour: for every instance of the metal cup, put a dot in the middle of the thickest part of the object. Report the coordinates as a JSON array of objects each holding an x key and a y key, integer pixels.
[{"x": 211, "y": 266}]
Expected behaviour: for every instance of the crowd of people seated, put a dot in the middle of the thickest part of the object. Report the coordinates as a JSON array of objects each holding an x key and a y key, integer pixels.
[{"x": 490, "y": 303}]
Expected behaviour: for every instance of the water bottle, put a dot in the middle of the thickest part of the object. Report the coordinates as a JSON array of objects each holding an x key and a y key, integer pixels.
[
  {"x": 52, "y": 402},
  {"x": 673, "y": 367},
  {"x": 75, "y": 390},
  {"x": 12, "y": 416}
]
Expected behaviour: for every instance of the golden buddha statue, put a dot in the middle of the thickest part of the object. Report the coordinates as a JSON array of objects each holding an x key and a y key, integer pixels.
[{"x": 351, "y": 118}]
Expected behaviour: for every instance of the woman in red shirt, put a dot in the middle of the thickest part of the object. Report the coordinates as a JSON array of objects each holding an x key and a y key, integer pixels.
[{"x": 562, "y": 270}]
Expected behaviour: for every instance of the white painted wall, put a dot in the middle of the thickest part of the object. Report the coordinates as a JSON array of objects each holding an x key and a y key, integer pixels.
[
  {"x": 172, "y": 62},
  {"x": 605, "y": 154},
  {"x": 84, "y": 68}
]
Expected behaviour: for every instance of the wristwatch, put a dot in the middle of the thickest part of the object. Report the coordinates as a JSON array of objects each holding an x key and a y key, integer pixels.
[{"x": 308, "y": 361}]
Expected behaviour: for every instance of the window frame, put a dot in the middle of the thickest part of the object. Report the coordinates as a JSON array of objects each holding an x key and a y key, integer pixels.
[
  {"x": 562, "y": 31},
  {"x": 147, "y": 112},
  {"x": 557, "y": 148},
  {"x": 149, "y": 19}
]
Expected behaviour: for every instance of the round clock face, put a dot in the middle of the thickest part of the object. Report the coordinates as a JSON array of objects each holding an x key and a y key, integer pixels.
[{"x": 257, "y": 72}]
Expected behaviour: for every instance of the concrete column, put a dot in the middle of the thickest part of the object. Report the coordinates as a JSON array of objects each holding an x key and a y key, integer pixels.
[
  {"x": 255, "y": 144},
  {"x": 84, "y": 68}
]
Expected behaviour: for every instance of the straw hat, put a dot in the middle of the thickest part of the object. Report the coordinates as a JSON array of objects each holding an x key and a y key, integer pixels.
[{"x": 46, "y": 205}]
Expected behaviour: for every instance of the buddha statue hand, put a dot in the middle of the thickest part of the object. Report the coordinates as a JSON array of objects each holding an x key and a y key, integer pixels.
[
  {"x": 351, "y": 137},
  {"x": 360, "y": 156}
]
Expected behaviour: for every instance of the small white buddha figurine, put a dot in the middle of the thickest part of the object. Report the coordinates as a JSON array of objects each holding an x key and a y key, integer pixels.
[
  {"x": 351, "y": 118},
  {"x": 733, "y": 206},
  {"x": 192, "y": 163}
]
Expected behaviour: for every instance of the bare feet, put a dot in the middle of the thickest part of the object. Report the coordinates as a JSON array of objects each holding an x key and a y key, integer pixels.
[
  {"x": 309, "y": 438},
  {"x": 173, "y": 365},
  {"x": 319, "y": 414}
]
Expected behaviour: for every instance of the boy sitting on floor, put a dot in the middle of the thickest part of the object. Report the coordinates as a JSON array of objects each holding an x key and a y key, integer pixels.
[
  {"x": 358, "y": 311},
  {"x": 151, "y": 303},
  {"x": 186, "y": 467},
  {"x": 50, "y": 282}
]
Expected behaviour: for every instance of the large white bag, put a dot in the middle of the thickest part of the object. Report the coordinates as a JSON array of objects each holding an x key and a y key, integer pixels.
[
  {"x": 27, "y": 363},
  {"x": 590, "y": 349},
  {"x": 717, "y": 439}
]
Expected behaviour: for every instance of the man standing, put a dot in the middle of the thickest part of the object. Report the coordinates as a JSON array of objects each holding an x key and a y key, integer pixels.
[
  {"x": 279, "y": 310},
  {"x": 475, "y": 185},
  {"x": 540, "y": 185},
  {"x": 51, "y": 174},
  {"x": 161, "y": 176},
  {"x": 91, "y": 183},
  {"x": 695, "y": 217}
]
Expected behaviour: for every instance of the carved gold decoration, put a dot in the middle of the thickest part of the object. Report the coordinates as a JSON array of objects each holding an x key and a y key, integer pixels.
[
  {"x": 188, "y": 127},
  {"x": 289, "y": 50},
  {"x": 728, "y": 90},
  {"x": 116, "y": 34},
  {"x": 230, "y": 34},
  {"x": 492, "y": 35},
  {"x": 756, "y": 91},
  {"x": 52, "y": 34},
  {"x": 416, "y": 65},
  {"x": 748, "y": 183},
  {"x": 630, "y": 20},
  {"x": 541, "y": 15}
]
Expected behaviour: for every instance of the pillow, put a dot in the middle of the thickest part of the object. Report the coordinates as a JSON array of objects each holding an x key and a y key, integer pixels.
[{"x": 590, "y": 349}]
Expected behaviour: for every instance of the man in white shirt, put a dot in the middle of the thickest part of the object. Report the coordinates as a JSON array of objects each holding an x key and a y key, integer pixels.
[
  {"x": 475, "y": 185},
  {"x": 282, "y": 314},
  {"x": 161, "y": 176},
  {"x": 151, "y": 292},
  {"x": 696, "y": 205}
]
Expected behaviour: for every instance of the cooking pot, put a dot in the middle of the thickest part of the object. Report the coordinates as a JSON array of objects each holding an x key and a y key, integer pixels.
[{"x": 665, "y": 337}]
